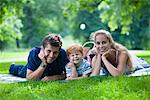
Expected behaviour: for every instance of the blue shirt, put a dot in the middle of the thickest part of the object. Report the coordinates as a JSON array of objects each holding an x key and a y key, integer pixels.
[
  {"x": 55, "y": 68},
  {"x": 83, "y": 69}
]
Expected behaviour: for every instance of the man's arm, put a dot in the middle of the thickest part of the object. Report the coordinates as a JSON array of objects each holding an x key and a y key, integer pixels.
[
  {"x": 54, "y": 77},
  {"x": 35, "y": 75}
]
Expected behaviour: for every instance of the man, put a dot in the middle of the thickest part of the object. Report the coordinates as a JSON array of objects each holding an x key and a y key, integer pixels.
[{"x": 46, "y": 63}]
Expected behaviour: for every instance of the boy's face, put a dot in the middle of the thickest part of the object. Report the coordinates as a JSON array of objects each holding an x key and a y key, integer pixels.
[{"x": 75, "y": 57}]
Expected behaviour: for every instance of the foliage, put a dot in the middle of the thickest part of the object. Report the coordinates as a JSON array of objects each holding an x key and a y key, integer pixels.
[
  {"x": 31, "y": 20},
  {"x": 83, "y": 12},
  {"x": 42, "y": 17},
  {"x": 10, "y": 24},
  {"x": 122, "y": 12},
  {"x": 129, "y": 17}
]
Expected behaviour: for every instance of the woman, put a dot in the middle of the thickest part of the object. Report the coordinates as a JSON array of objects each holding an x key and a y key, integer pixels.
[{"x": 110, "y": 57}]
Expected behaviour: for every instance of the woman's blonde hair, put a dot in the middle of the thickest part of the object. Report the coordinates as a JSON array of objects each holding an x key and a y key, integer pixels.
[{"x": 114, "y": 44}]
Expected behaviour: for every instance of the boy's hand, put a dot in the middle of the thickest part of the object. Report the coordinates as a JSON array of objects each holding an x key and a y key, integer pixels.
[{"x": 71, "y": 65}]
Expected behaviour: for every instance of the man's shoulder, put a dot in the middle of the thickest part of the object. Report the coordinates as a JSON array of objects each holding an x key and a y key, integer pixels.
[
  {"x": 62, "y": 52},
  {"x": 35, "y": 50},
  {"x": 63, "y": 56}
]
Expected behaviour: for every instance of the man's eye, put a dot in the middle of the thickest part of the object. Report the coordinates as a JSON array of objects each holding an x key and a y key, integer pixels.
[{"x": 49, "y": 51}]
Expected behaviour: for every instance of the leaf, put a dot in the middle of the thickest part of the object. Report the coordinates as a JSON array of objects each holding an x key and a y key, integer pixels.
[{"x": 113, "y": 25}]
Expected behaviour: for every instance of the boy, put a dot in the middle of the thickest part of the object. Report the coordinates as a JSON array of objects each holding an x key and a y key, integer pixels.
[{"x": 77, "y": 67}]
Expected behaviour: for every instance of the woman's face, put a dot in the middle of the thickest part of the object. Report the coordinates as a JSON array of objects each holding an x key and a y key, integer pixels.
[{"x": 102, "y": 43}]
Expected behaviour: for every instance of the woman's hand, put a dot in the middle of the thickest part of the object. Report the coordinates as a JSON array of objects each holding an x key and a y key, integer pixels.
[{"x": 108, "y": 53}]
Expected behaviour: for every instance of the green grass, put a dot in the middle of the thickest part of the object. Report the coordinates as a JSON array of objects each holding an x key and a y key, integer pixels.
[
  {"x": 144, "y": 54},
  {"x": 6, "y": 55},
  {"x": 4, "y": 67},
  {"x": 99, "y": 88},
  {"x": 95, "y": 88}
]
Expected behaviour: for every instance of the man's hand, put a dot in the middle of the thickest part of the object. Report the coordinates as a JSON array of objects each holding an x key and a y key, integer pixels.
[
  {"x": 54, "y": 77},
  {"x": 41, "y": 55}
]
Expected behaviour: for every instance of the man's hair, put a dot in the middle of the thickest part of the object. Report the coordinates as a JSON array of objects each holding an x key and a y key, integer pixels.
[
  {"x": 52, "y": 39},
  {"x": 74, "y": 48}
]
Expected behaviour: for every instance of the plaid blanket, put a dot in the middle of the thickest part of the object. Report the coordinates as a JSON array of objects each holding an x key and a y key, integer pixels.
[{"x": 8, "y": 78}]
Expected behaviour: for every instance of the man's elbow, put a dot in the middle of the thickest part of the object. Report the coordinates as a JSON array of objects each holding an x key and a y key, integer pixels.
[{"x": 29, "y": 77}]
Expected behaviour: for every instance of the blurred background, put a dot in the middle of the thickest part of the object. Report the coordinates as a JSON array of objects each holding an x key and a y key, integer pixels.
[{"x": 23, "y": 23}]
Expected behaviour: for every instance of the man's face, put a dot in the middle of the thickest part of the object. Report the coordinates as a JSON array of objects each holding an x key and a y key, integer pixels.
[{"x": 51, "y": 53}]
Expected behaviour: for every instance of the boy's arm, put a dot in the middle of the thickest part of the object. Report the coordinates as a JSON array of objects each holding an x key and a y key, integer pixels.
[
  {"x": 74, "y": 72},
  {"x": 76, "y": 78}
]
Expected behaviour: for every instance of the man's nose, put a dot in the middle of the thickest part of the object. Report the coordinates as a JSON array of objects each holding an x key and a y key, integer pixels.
[{"x": 51, "y": 54}]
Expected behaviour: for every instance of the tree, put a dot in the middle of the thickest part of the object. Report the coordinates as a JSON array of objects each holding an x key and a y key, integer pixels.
[
  {"x": 131, "y": 18},
  {"x": 42, "y": 17},
  {"x": 10, "y": 24}
]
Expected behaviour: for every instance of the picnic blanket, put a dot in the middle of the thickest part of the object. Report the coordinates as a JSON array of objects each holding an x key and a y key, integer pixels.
[
  {"x": 141, "y": 72},
  {"x": 8, "y": 78}
]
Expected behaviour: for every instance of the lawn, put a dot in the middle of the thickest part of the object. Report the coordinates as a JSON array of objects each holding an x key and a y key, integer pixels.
[
  {"x": 94, "y": 88},
  {"x": 7, "y": 55},
  {"x": 97, "y": 88}
]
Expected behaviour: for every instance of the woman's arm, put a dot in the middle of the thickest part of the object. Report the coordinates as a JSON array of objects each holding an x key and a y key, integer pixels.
[
  {"x": 119, "y": 69},
  {"x": 96, "y": 65}
]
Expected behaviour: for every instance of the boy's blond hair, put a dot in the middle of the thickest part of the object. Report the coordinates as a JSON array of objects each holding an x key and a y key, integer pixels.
[{"x": 73, "y": 48}]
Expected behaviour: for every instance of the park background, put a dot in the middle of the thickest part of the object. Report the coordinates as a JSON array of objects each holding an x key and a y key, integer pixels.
[{"x": 23, "y": 24}]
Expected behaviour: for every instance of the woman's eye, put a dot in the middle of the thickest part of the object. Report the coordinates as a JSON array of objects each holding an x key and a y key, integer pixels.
[
  {"x": 98, "y": 43},
  {"x": 104, "y": 42}
]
